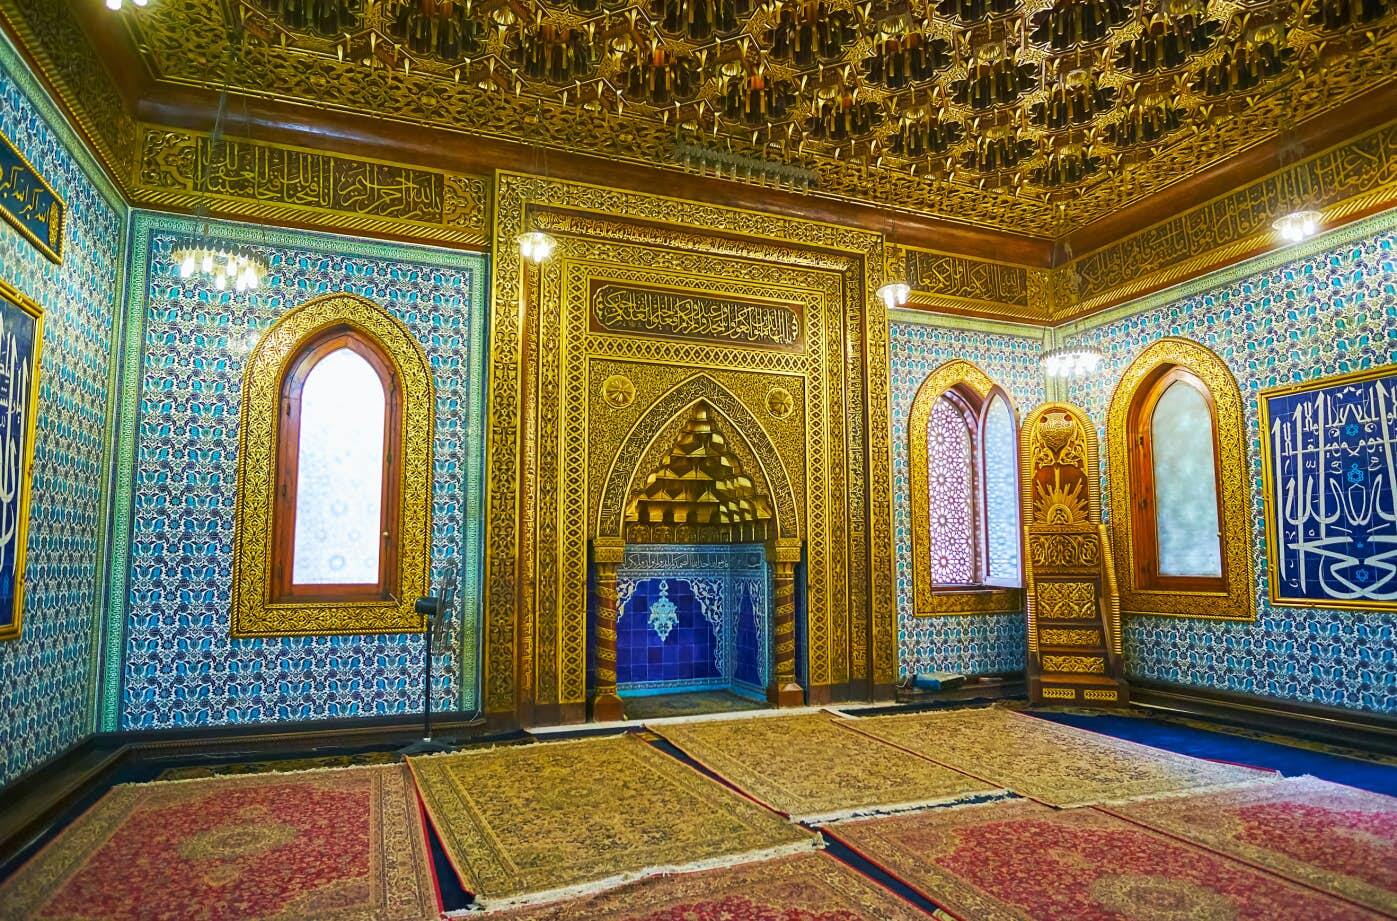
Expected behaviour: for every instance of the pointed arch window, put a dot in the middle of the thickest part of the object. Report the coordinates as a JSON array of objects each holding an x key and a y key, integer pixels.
[
  {"x": 964, "y": 476},
  {"x": 333, "y": 521},
  {"x": 338, "y": 447},
  {"x": 973, "y": 482},
  {"x": 1180, "y": 501}
]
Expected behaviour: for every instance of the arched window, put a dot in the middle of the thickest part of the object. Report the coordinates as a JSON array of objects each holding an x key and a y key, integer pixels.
[
  {"x": 964, "y": 477},
  {"x": 1174, "y": 480},
  {"x": 333, "y": 521},
  {"x": 338, "y": 442},
  {"x": 1179, "y": 500}
]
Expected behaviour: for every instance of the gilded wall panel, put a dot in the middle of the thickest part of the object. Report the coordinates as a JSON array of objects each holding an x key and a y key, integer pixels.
[{"x": 583, "y": 395}]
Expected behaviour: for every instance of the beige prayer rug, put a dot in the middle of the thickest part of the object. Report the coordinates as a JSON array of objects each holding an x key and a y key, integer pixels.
[
  {"x": 1017, "y": 860},
  {"x": 1331, "y": 837},
  {"x": 813, "y": 769},
  {"x": 807, "y": 887},
  {"x": 1049, "y": 762},
  {"x": 536, "y": 822},
  {"x": 327, "y": 845}
]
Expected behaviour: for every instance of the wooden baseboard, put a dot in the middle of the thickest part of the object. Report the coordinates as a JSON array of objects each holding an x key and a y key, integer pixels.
[{"x": 1373, "y": 732}]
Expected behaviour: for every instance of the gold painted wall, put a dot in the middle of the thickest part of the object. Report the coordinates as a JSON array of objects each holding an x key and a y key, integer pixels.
[{"x": 705, "y": 296}]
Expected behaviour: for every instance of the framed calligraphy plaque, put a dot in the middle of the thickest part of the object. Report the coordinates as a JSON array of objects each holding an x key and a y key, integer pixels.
[
  {"x": 618, "y": 308},
  {"x": 21, "y": 338},
  {"x": 29, "y": 203},
  {"x": 1330, "y": 472}
]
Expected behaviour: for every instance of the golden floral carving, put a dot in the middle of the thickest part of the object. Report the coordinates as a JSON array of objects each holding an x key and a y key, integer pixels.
[
  {"x": 1060, "y": 637},
  {"x": 1094, "y": 665},
  {"x": 253, "y": 614},
  {"x": 618, "y": 391},
  {"x": 1066, "y": 600},
  {"x": 1238, "y": 601}
]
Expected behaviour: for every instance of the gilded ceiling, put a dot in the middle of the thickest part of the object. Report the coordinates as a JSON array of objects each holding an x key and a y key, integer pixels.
[{"x": 1036, "y": 116}]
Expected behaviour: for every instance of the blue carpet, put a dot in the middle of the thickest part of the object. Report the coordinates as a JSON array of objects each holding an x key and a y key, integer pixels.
[{"x": 1291, "y": 761}]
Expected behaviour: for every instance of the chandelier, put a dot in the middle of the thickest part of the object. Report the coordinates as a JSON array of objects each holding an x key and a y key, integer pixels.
[
  {"x": 1072, "y": 361},
  {"x": 220, "y": 265},
  {"x": 1298, "y": 225},
  {"x": 240, "y": 271}
]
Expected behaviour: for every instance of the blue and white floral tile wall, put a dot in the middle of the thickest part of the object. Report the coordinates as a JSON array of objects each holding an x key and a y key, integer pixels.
[
  {"x": 1293, "y": 315},
  {"x": 44, "y": 675},
  {"x": 979, "y": 644},
  {"x": 180, "y": 666}
]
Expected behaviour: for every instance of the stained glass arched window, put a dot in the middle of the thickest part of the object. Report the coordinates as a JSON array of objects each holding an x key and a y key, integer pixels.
[
  {"x": 951, "y": 479},
  {"x": 336, "y": 485},
  {"x": 971, "y": 476}
]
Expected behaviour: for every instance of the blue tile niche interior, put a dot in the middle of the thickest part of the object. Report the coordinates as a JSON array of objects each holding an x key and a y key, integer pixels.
[{"x": 693, "y": 618}]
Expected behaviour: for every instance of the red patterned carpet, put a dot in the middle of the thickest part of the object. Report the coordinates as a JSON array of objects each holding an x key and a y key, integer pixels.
[
  {"x": 344, "y": 844},
  {"x": 1331, "y": 837},
  {"x": 1022, "y": 861},
  {"x": 809, "y": 887}
]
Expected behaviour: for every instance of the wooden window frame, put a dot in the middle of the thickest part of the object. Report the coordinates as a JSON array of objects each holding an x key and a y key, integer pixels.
[
  {"x": 298, "y": 370},
  {"x": 1144, "y": 519}
]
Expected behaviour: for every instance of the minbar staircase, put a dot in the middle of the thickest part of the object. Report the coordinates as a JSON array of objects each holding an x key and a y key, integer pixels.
[{"x": 1074, "y": 635}]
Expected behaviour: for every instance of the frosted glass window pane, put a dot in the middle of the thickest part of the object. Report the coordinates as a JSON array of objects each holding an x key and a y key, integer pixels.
[
  {"x": 1185, "y": 484},
  {"x": 951, "y": 483},
  {"x": 1001, "y": 495},
  {"x": 339, "y": 488}
]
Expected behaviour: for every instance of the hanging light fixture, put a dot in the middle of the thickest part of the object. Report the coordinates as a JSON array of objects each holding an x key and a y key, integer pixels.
[
  {"x": 117, "y": 4},
  {"x": 1298, "y": 225},
  {"x": 894, "y": 294},
  {"x": 894, "y": 291},
  {"x": 536, "y": 246},
  {"x": 1072, "y": 361},
  {"x": 222, "y": 266}
]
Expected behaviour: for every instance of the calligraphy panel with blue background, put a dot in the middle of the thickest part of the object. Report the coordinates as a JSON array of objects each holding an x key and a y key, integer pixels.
[
  {"x": 1331, "y": 460},
  {"x": 20, "y": 335},
  {"x": 29, "y": 203}
]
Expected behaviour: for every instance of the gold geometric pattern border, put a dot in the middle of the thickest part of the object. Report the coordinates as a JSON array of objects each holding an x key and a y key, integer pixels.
[
  {"x": 1238, "y": 602},
  {"x": 253, "y": 614}
]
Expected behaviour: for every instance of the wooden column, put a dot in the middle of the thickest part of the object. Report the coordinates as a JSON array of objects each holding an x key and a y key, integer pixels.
[
  {"x": 607, "y": 555},
  {"x": 784, "y": 690}
]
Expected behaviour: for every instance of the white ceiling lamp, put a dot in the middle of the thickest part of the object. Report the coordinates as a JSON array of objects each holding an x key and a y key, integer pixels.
[
  {"x": 117, "y": 4},
  {"x": 536, "y": 246},
  {"x": 1298, "y": 225},
  {"x": 894, "y": 294}
]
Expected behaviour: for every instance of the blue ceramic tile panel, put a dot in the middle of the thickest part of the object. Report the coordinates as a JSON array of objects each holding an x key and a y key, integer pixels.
[
  {"x": 1326, "y": 308},
  {"x": 181, "y": 667},
  {"x": 46, "y": 674}
]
